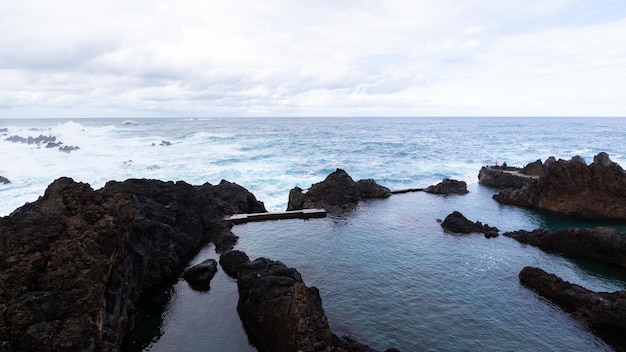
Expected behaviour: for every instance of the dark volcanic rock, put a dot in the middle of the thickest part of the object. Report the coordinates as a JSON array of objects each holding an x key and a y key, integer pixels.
[
  {"x": 448, "y": 186},
  {"x": 282, "y": 314},
  {"x": 4, "y": 180},
  {"x": 337, "y": 193},
  {"x": 232, "y": 261},
  {"x": 503, "y": 178},
  {"x": 74, "y": 263},
  {"x": 597, "y": 191},
  {"x": 458, "y": 223},
  {"x": 237, "y": 199},
  {"x": 604, "y": 312},
  {"x": 602, "y": 244},
  {"x": 201, "y": 273}
]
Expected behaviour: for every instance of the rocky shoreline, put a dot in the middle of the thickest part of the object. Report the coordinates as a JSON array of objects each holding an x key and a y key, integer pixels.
[{"x": 76, "y": 262}]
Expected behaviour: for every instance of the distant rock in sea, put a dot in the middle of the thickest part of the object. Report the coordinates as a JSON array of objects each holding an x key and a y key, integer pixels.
[
  {"x": 4, "y": 180},
  {"x": 448, "y": 186},
  {"x": 337, "y": 193},
  {"x": 595, "y": 191}
]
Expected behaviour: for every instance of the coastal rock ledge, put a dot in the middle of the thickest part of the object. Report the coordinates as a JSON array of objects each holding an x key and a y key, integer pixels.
[
  {"x": 338, "y": 193},
  {"x": 595, "y": 191},
  {"x": 74, "y": 263},
  {"x": 603, "y": 312}
]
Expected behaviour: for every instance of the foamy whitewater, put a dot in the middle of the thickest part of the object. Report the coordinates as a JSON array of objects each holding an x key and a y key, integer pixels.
[{"x": 387, "y": 273}]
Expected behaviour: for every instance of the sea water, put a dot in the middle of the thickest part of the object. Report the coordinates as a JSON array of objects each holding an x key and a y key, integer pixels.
[{"x": 387, "y": 273}]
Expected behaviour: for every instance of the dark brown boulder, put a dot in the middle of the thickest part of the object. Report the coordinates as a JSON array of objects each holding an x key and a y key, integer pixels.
[
  {"x": 232, "y": 261},
  {"x": 458, "y": 223},
  {"x": 282, "y": 314},
  {"x": 601, "y": 244},
  {"x": 596, "y": 191},
  {"x": 75, "y": 262},
  {"x": 337, "y": 193},
  {"x": 604, "y": 312},
  {"x": 503, "y": 178},
  {"x": 448, "y": 186}
]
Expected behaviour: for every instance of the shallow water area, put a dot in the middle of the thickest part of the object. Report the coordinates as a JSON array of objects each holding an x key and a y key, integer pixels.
[{"x": 391, "y": 277}]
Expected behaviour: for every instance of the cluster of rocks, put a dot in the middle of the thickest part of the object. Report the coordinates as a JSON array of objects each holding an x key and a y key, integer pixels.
[
  {"x": 571, "y": 187},
  {"x": 76, "y": 261},
  {"x": 163, "y": 144},
  {"x": 48, "y": 141}
]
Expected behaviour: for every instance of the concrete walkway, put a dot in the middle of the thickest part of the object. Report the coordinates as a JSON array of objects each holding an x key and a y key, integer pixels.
[{"x": 293, "y": 214}]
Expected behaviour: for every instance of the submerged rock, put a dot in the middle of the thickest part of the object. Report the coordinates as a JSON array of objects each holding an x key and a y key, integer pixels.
[
  {"x": 448, "y": 186},
  {"x": 601, "y": 244},
  {"x": 595, "y": 191},
  {"x": 75, "y": 262},
  {"x": 604, "y": 312},
  {"x": 337, "y": 193},
  {"x": 458, "y": 223}
]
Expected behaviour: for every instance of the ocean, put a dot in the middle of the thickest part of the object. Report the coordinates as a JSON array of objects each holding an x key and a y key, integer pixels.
[{"x": 387, "y": 273}]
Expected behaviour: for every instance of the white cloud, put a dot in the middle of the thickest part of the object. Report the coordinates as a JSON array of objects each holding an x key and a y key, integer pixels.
[{"x": 279, "y": 57}]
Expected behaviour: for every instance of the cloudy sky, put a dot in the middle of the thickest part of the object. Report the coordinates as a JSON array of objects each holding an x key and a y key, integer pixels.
[{"x": 202, "y": 58}]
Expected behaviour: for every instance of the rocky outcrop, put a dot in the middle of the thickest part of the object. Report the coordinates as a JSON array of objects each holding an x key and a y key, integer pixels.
[
  {"x": 282, "y": 314},
  {"x": 200, "y": 275},
  {"x": 337, "y": 193},
  {"x": 232, "y": 261},
  {"x": 458, "y": 223},
  {"x": 604, "y": 312},
  {"x": 448, "y": 186},
  {"x": 601, "y": 244},
  {"x": 595, "y": 191},
  {"x": 47, "y": 141},
  {"x": 74, "y": 263},
  {"x": 4, "y": 180}
]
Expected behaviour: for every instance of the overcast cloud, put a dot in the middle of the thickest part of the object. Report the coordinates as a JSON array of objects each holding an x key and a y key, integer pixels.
[{"x": 200, "y": 58}]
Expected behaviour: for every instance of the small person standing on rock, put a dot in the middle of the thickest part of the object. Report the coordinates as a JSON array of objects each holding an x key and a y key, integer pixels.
[{"x": 496, "y": 162}]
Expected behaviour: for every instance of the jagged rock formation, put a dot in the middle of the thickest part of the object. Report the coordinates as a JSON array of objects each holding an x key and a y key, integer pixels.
[
  {"x": 596, "y": 191},
  {"x": 4, "y": 180},
  {"x": 282, "y": 314},
  {"x": 458, "y": 223},
  {"x": 48, "y": 141},
  {"x": 604, "y": 312},
  {"x": 448, "y": 186},
  {"x": 601, "y": 244},
  {"x": 74, "y": 263},
  {"x": 337, "y": 193}
]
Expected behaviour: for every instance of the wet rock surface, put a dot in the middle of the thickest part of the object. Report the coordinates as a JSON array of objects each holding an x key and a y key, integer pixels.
[
  {"x": 602, "y": 244},
  {"x": 604, "y": 312},
  {"x": 338, "y": 193},
  {"x": 448, "y": 186},
  {"x": 458, "y": 223},
  {"x": 74, "y": 263},
  {"x": 4, "y": 180},
  {"x": 201, "y": 273}
]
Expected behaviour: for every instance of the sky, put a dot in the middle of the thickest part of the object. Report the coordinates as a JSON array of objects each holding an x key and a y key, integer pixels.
[{"x": 206, "y": 58}]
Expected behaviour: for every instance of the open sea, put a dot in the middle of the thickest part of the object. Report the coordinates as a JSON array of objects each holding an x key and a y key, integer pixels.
[{"x": 387, "y": 273}]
